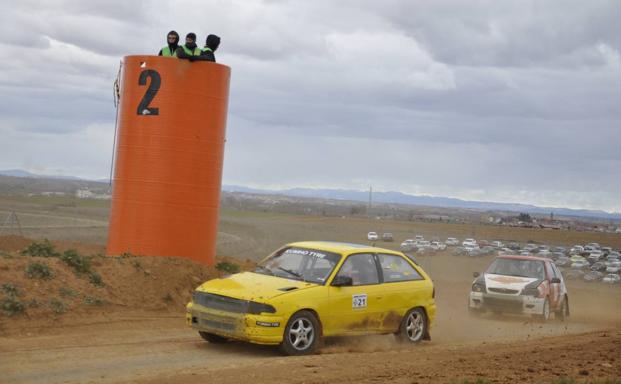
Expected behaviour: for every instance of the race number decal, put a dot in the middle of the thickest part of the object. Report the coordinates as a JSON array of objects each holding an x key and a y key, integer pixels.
[
  {"x": 359, "y": 301},
  {"x": 154, "y": 86}
]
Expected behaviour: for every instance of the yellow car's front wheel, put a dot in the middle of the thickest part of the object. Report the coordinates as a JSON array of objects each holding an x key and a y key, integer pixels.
[{"x": 301, "y": 334}]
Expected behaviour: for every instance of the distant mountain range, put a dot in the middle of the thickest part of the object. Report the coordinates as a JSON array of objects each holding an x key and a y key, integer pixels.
[
  {"x": 21, "y": 173},
  {"x": 430, "y": 201},
  {"x": 381, "y": 197}
]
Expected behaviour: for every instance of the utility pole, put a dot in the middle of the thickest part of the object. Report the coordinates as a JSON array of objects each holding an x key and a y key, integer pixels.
[
  {"x": 12, "y": 221},
  {"x": 370, "y": 200}
]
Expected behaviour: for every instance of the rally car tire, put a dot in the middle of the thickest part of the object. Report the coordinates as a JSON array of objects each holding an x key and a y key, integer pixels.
[
  {"x": 301, "y": 334},
  {"x": 413, "y": 327},
  {"x": 563, "y": 312},
  {"x": 545, "y": 312},
  {"x": 214, "y": 339}
]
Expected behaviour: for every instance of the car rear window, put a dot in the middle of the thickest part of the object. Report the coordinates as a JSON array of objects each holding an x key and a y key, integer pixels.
[{"x": 396, "y": 268}]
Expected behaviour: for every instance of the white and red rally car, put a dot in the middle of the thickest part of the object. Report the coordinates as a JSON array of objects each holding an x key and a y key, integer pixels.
[{"x": 521, "y": 284}]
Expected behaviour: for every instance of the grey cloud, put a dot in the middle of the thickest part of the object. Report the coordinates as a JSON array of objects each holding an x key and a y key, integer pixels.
[{"x": 474, "y": 99}]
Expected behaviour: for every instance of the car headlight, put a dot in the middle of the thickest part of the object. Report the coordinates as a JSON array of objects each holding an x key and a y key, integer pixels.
[
  {"x": 533, "y": 289},
  {"x": 478, "y": 287},
  {"x": 258, "y": 308}
]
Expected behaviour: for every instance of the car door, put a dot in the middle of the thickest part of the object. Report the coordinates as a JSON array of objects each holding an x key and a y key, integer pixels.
[
  {"x": 355, "y": 309},
  {"x": 402, "y": 290}
]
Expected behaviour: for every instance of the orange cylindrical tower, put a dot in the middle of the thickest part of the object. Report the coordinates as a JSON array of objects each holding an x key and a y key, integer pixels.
[{"x": 169, "y": 154}]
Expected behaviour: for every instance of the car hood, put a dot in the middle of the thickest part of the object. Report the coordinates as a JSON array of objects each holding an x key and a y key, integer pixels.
[
  {"x": 253, "y": 286},
  {"x": 507, "y": 282}
]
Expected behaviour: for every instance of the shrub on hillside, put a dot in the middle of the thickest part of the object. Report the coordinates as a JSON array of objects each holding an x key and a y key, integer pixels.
[
  {"x": 44, "y": 249},
  {"x": 89, "y": 300},
  {"x": 227, "y": 267},
  {"x": 58, "y": 306},
  {"x": 80, "y": 264},
  {"x": 95, "y": 279},
  {"x": 10, "y": 289},
  {"x": 39, "y": 271},
  {"x": 11, "y": 306}
]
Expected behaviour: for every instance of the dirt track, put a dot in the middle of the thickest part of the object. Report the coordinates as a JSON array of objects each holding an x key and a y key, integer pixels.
[{"x": 121, "y": 345}]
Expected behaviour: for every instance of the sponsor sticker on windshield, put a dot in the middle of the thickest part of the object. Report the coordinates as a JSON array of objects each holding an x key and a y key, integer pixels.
[{"x": 307, "y": 252}]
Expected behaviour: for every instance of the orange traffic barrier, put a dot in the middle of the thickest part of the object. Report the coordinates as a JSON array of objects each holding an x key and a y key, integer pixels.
[{"x": 169, "y": 154}]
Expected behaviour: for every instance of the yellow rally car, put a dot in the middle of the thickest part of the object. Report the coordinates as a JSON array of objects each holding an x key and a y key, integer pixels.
[{"x": 308, "y": 290}]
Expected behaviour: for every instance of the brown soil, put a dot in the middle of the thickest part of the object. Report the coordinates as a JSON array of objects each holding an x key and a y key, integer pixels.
[{"x": 138, "y": 334}]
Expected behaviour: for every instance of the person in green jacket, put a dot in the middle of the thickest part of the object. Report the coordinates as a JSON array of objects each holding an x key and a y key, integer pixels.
[
  {"x": 173, "y": 44},
  {"x": 189, "y": 50},
  {"x": 211, "y": 44}
]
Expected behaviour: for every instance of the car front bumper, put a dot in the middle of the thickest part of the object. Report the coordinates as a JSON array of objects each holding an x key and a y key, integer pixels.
[
  {"x": 506, "y": 303},
  {"x": 258, "y": 329}
]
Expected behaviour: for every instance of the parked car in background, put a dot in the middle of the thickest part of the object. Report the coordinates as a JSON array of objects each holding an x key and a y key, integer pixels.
[
  {"x": 407, "y": 245},
  {"x": 438, "y": 246},
  {"x": 559, "y": 249},
  {"x": 563, "y": 261},
  {"x": 451, "y": 241},
  {"x": 387, "y": 236},
  {"x": 497, "y": 244},
  {"x": 595, "y": 255},
  {"x": 469, "y": 243},
  {"x": 505, "y": 251},
  {"x": 575, "y": 258},
  {"x": 598, "y": 266},
  {"x": 423, "y": 244},
  {"x": 372, "y": 236},
  {"x": 611, "y": 278},
  {"x": 544, "y": 253},
  {"x": 419, "y": 237},
  {"x": 592, "y": 276},
  {"x": 580, "y": 264},
  {"x": 576, "y": 249},
  {"x": 613, "y": 267},
  {"x": 516, "y": 284}
]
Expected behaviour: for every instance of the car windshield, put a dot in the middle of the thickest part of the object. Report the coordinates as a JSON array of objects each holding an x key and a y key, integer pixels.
[
  {"x": 310, "y": 265},
  {"x": 516, "y": 267}
]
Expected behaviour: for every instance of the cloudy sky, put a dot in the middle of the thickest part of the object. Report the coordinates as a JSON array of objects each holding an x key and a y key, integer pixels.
[{"x": 508, "y": 101}]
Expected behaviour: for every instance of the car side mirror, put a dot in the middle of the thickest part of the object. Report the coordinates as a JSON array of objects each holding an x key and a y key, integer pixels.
[
  {"x": 476, "y": 274},
  {"x": 555, "y": 280},
  {"x": 342, "y": 281}
]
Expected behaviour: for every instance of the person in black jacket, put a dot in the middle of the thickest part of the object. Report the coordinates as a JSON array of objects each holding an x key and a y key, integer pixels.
[
  {"x": 173, "y": 44},
  {"x": 211, "y": 44},
  {"x": 189, "y": 50}
]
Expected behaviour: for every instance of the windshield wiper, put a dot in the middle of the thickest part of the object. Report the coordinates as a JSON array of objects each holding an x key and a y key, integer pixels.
[
  {"x": 262, "y": 268},
  {"x": 291, "y": 273}
]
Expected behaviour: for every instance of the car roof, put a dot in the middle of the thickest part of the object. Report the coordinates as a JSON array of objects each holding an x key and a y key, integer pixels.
[
  {"x": 342, "y": 248},
  {"x": 535, "y": 258}
]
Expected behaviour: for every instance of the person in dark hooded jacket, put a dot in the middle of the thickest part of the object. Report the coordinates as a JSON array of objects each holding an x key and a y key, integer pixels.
[
  {"x": 189, "y": 50},
  {"x": 211, "y": 44},
  {"x": 173, "y": 44}
]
